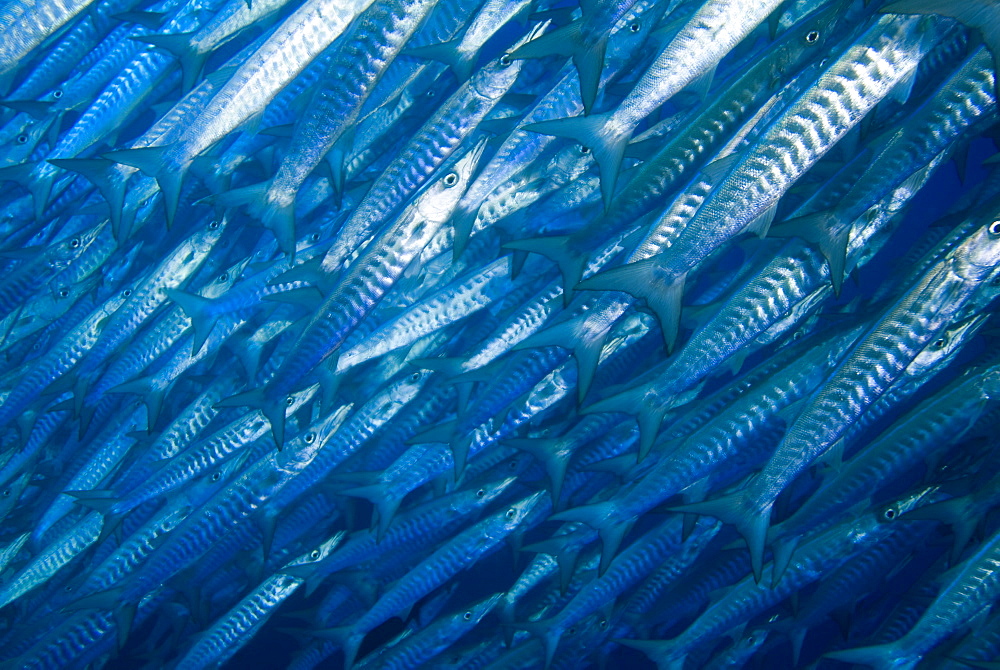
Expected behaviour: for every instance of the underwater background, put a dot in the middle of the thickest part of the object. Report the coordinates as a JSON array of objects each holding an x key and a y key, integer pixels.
[{"x": 438, "y": 333}]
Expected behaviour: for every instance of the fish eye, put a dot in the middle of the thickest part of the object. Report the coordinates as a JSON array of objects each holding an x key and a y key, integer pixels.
[
  {"x": 290, "y": 400},
  {"x": 480, "y": 493},
  {"x": 74, "y": 243},
  {"x": 68, "y": 589},
  {"x": 450, "y": 179},
  {"x": 314, "y": 237},
  {"x": 212, "y": 225},
  {"x": 940, "y": 344},
  {"x": 467, "y": 616},
  {"x": 64, "y": 293},
  {"x": 995, "y": 228},
  {"x": 224, "y": 276},
  {"x": 505, "y": 60},
  {"x": 812, "y": 36},
  {"x": 57, "y": 93},
  {"x": 584, "y": 150},
  {"x": 21, "y": 139},
  {"x": 635, "y": 27},
  {"x": 751, "y": 639},
  {"x": 216, "y": 476},
  {"x": 314, "y": 554},
  {"x": 310, "y": 438},
  {"x": 603, "y": 624},
  {"x": 127, "y": 292},
  {"x": 511, "y": 513},
  {"x": 415, "y": 376},
  {"x": 571, "y": 630},
  {"x": 6, "y": 493},
  {"x": 430, "y": 94},
  {"x": 889, "y": 514},
  {"x": 513, "y": 464}
]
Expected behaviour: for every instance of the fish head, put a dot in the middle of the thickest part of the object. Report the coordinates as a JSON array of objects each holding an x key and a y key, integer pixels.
[
  {"x": 516, "y": 513},
  {"x": 64, "y": 252},
  {"x": 978, "y": 256},
  {"x": 943, "y": 347},
  {"x": 485, "y": 494},
  {"x": 891, "y": 512},
  {"x": 805, "y": 41},
  {"x": 440, "y": 199},
  {"x": 20, "y": 138},
  {"x": 474, "y": 614},
  {"x": 304, "y": 448},
  {"x": 642, "y": 22},
  {"x": 319, "y": 553},
  {"x": 569, "y": 163},
  {"x": 205, "y": 239},
  {"x": 224, "y": 280},
  {"x": 406, "y": 389},
  {"x": 494, "y": 79}
]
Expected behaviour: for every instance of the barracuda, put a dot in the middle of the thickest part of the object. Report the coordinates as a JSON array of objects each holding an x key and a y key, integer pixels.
[
  {"x": 708, "y": 131},
  {"x": 191, "y": 418},
  {"x": 715, "y": 28},
  {"x": 246, "y": 92},
  {"x": 374, "y": 40},
  {"x": 364, "y": 285},
  {"x": 902, "y": 332}
]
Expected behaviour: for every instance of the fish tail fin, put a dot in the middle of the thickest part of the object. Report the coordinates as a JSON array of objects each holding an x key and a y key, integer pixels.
[
  {"x": 828, "y": 232},
  {"x": 442, "y": 432},
  {"x": 33, "y": 108},
  {"x": 152, "y": 392},
  {"x": 585, "y": 341},
  {"x": 565, "y": 553},
  {"x": 100, "y": 172},
  {"x": 447, "y": 52},
  {"x": 603, "y": 518},
  {"x": 643, "y": 402},
  {"x": 257, "y": 399},
  {"x": 551, "y": 453},
  {"x": 200, "y": 310},
  {"x": 751, "y": 522},
  {"x": 191, "y": 61},
  {"x": 460, "y": 446},
  {"x": 385, "y": 505},
  {"x": 346, "y": 637},
  {"x": 150, "y": 161},
  {"x": 104, "y": 502},
  {"x": 546, "y": 633},
  {"x": 648, "y": 280},
  {"x": 279, "y": 218},
  {"x": 782, "y": 550},
  {"x": 587, "y": 54},
  {"x": 596, "y": 133},
  {"x": 276, "y": 213},
  {"x": 560, "y": 250}
]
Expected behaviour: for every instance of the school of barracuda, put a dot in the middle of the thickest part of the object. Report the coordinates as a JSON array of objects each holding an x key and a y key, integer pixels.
[{"x": 499, "y": 333}]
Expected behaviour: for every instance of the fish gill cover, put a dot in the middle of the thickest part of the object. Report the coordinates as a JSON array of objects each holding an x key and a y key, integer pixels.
[{"x": 499, "y": 333}]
